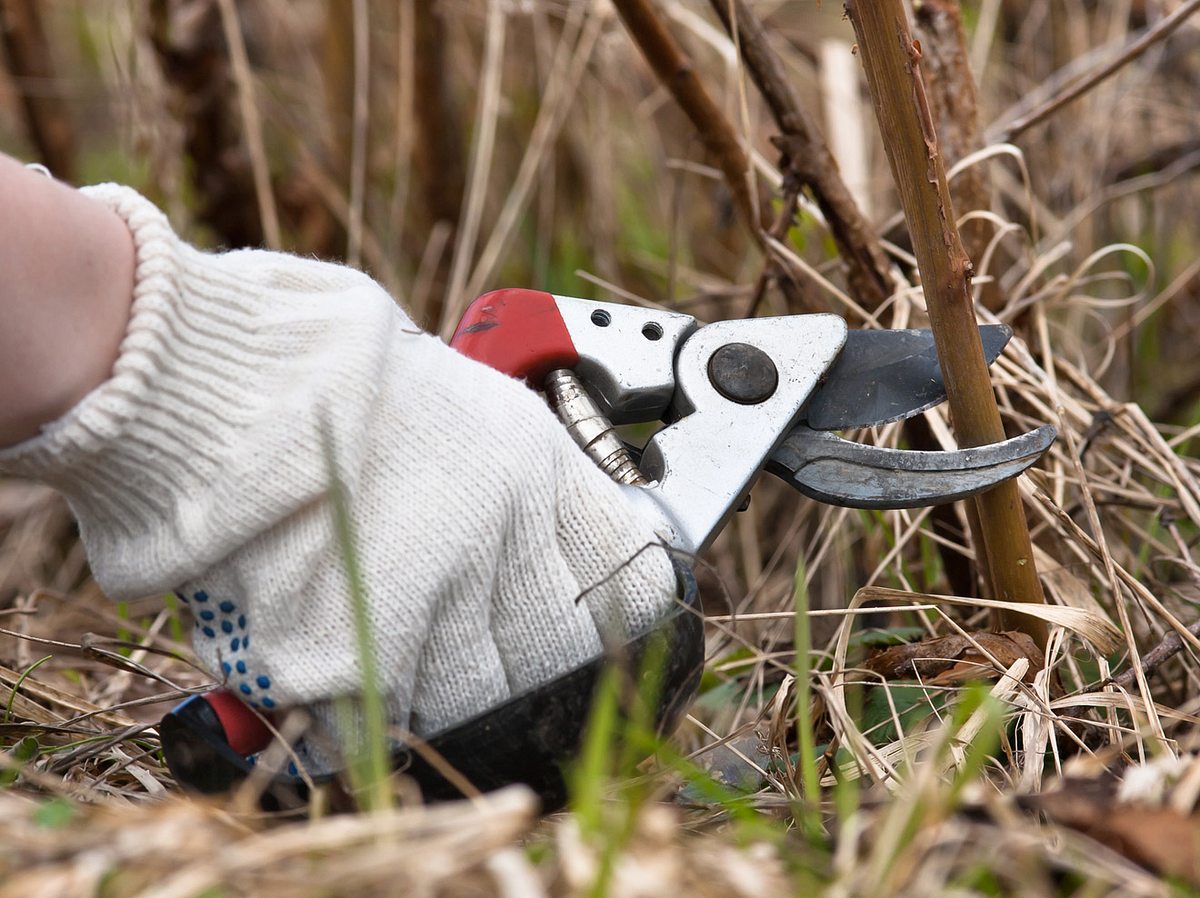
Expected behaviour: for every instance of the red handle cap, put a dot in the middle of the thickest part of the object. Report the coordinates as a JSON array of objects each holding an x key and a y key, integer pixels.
[
  {"x": 244, "y": 730},
  {"x": 519, "y": 332}
]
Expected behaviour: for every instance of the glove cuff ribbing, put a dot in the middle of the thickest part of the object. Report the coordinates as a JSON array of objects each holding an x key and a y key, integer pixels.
[{"x": 147, "y": 460}]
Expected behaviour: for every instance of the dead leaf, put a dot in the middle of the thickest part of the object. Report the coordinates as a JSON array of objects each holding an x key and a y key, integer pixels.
[
  {"x": 1160, "y": 839},
  {"x": 953, "y": 659}
]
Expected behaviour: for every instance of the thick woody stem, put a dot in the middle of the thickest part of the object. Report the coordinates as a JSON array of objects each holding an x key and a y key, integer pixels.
[
  {"x": 953, "y": 102},
  {"x": 891, "y": 61},
  {"x": 807, "y": 160}
]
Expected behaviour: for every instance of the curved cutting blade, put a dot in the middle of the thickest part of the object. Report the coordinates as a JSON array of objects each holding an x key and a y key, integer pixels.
[
  {"x": 887, "y": 375},
  {"x": 839, "y": 472}
]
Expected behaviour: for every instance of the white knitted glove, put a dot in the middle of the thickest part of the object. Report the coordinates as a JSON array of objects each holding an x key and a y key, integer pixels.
[{"x": 200, "y": 467}]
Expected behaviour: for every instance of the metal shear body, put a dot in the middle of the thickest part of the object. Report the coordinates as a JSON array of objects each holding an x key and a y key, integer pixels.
[{"x": 737, "y": 397}]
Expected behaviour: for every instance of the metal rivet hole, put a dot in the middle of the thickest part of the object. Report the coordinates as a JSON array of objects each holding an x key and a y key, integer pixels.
[
  {"x": 601, "y": 318},
  {"x": 652, "y": 331}
]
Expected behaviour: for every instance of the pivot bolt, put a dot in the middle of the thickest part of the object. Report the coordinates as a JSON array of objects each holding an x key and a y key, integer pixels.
[{"x": 743, "y": 373}]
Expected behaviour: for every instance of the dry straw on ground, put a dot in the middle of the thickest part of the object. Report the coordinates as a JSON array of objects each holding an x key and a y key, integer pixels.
[{"x": 581, "y": 175}]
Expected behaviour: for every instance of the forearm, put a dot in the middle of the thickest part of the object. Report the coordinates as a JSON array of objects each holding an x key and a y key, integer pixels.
[{"x": 66, "y": 282}]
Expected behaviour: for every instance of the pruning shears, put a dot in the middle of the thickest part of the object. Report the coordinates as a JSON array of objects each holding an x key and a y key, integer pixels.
[{"x": 734, "y": 398}]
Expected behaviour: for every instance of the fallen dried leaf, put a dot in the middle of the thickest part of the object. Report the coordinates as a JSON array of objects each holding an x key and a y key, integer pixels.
[
  {"x": 1160, "y": 839},
  {"x": 949, "y": 660}
]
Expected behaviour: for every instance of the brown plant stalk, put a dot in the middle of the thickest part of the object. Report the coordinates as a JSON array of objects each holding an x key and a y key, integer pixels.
[
  {"x": 891, "y": 60},
  {"x": 953, "y": 102}
]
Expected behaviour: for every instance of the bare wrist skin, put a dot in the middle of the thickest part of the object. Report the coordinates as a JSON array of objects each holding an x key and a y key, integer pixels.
[{"x": 66, "y": 286}]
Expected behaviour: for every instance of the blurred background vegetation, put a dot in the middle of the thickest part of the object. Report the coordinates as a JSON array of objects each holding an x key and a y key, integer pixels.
[{"x": 450, "y": 147}]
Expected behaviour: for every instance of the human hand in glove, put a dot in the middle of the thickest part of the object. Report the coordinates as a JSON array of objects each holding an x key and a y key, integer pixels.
[{"x": 495, "y": 554}]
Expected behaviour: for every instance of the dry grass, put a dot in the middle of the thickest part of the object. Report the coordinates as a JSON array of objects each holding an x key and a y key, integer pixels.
[{"x": 581, "y": 177}]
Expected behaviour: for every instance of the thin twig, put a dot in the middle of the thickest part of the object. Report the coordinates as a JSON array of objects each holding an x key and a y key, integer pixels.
[
  {"x": 1088, "y": 80},
  {"x": 404, "y": 135},
  {"x": 675, "y": 70},
  {"x": 778, "y": 231},
  {"x": 482, "y": 145},
  {"x": 428, "y": 111},
  {"x": 1152, "y": 660},
  {"x": 807, "y": 159},
  {"x": 580, "y": 35},
  {"x": 251, "y": 123},
  {"x": 358, "y": 139}
]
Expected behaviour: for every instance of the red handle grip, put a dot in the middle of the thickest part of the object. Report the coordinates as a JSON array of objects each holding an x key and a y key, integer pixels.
[
  {"x": 244, "y": 730},
  {"x": 519, "y": 332}
]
